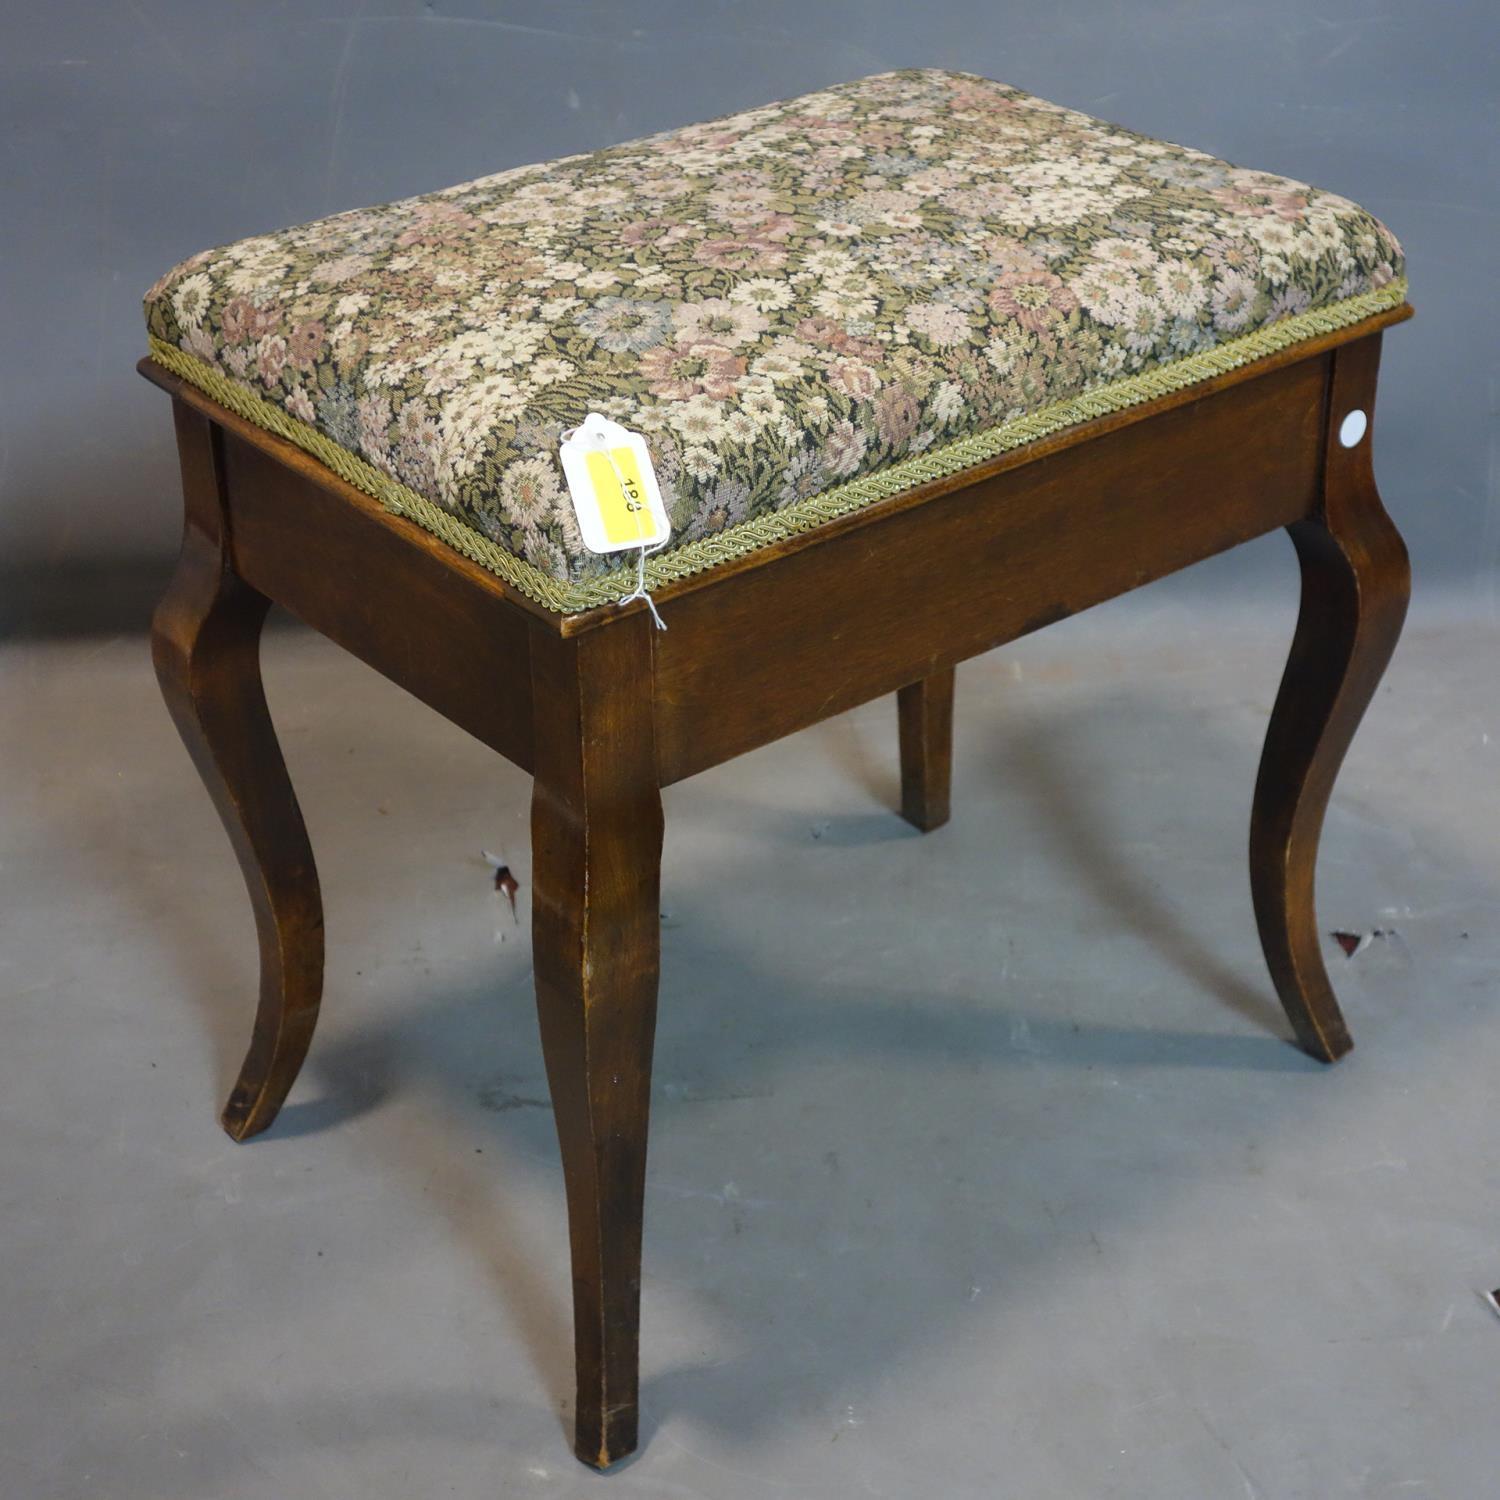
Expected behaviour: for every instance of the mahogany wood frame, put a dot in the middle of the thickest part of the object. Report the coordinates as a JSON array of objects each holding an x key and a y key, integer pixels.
[{"x": 604, "y": 711}]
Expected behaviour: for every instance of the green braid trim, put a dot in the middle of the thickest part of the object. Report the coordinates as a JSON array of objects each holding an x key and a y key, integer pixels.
[{"x": 805, "y": 515}]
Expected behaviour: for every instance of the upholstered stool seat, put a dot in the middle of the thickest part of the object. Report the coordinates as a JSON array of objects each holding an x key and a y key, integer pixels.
[
  {"x": 922, "y": 363},
  {"x": 803, "y": 308}
]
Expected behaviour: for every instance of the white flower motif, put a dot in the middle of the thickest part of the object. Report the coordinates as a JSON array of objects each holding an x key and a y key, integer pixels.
[
  {"x": 763, "y": 293},
  {"x": 948, "y": 402},
  {"x": 190, "y": 299},
  {"x": 699, "y": 419}
]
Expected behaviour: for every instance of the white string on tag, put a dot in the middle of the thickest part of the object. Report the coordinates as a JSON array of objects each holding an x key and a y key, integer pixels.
[
  {"x": 640, "y": 591},
  {"x": 600, "y": 444}
]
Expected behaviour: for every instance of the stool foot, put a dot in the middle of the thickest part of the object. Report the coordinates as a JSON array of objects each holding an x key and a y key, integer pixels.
[
  {"x": 1355, "y": 584},
  {"x": 925, "y": 721},
  {"x": 596, "y": 832},
  {"x": 205, "y": 642}
]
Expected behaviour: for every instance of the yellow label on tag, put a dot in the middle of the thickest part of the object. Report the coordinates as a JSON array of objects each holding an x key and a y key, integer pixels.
[
  {"x": 621, "y": 497},
  {"x": 613, "y": 486}
]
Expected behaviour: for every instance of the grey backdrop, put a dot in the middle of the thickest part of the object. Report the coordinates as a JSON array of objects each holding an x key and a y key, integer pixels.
[{"x": 136, "y": 133}]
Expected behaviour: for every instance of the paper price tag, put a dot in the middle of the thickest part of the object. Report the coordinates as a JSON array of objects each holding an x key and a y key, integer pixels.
[{"x": 613, "y": 486}]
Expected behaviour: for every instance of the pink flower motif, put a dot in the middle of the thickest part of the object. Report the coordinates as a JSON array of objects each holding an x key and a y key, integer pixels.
[
  {"x": 306, "y": 344},
  {"x": 270, "y": 358},
  {"x": 244, "y": 322},
  {"x": 437, "y": 224},
  {"x": 825, "y": 333},
  {"x": 1007, "y": 255},
  {"x": 299, "y": 403},
  {"x": 846, "y": 448},
  {"x": 941, "y": 322},
  {"x": 1034, "y": 299},
  {"x": 773, "y": 229},
  {"x": 896, "y": 415},
  {"x": 855, "y": 378},
  {"x": 1290, "y": 206},
  {"x": 655, "y": 232},
  {"x": 676, "y": 371},
  {"x": 748, "y": 254},
  {"x": 1239, "y": 201},
  {"x": 200, "y": 341},
  {"x": 741, "y": 203}
]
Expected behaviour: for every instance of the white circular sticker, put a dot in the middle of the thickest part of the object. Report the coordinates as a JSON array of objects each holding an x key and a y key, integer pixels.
[{"x": 1352, "y": 428}]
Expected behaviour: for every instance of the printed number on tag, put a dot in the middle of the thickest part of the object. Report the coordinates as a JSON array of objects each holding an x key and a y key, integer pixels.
[{"x": 613, "y": 485}]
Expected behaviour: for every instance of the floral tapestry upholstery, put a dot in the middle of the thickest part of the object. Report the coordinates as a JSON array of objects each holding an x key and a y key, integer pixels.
[{"x": 803, "y": 307}]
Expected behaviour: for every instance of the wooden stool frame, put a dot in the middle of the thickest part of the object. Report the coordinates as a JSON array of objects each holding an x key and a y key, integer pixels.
[{"x": 604, "y": 710}]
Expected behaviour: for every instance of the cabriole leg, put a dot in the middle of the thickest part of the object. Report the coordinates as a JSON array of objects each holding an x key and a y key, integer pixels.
[
  {"x": 1355, "y": 583},
  {"x": 205, "y": 641}
]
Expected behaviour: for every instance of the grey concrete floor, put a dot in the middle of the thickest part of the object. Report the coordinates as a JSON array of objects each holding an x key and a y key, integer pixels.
[{"x": 980, "y": 1166}]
